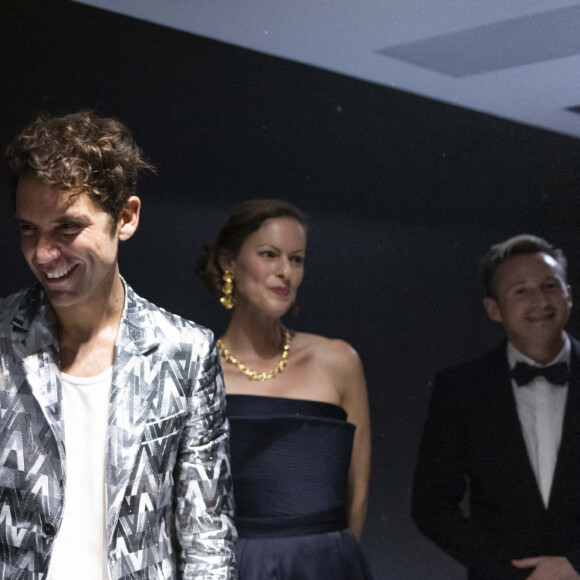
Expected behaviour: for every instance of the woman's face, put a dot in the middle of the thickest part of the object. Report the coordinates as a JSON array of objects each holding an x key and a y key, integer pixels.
[{"x": 270, "y": 266}]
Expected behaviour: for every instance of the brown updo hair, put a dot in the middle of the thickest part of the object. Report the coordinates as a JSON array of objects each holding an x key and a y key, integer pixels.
[{"x": 243, "y": 221}]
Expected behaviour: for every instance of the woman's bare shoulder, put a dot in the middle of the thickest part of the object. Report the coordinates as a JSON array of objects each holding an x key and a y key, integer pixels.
[{"x": 328, "y": 351}]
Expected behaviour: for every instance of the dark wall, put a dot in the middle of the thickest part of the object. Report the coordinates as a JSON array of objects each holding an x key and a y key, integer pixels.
[{"x": 404, "y": 195}]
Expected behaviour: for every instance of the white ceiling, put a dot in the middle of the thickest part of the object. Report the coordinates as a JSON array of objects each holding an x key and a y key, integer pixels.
[{"x": 517, "y": 59}]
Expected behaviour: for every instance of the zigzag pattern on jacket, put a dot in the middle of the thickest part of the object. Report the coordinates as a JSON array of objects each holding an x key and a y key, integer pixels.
[{"x": 168, "y": 486}]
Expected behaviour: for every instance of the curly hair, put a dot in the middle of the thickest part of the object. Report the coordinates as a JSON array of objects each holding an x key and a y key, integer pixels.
[
  {"x": 244, "y": 221},
  {"x": 81, "y": 152}
]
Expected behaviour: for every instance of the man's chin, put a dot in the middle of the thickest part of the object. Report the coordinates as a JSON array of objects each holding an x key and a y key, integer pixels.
[
  {"x": 61, "y": 298},
  {"x": 550, "y": 329},
  {"x": 548, "y": 334}
]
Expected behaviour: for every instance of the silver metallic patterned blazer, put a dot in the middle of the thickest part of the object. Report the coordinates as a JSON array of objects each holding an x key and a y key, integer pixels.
[{"x": 168, "y": 486}]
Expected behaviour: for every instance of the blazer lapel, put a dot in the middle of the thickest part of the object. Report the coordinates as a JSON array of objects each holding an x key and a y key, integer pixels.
[
  {"x": 36, "y": 351},
  {"x": 132, "y": 391}
]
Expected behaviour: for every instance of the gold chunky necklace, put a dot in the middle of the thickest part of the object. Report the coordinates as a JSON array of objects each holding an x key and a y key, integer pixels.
[{"x": 253, "y": 375}]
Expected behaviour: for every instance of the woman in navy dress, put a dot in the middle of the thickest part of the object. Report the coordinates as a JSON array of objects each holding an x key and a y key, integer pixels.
[{"x": 297, "y": 405}]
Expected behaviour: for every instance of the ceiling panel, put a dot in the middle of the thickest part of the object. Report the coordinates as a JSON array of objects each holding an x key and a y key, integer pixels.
[
  {"x": 518, "y": 60},
  {"x": 501, "y": 45}
]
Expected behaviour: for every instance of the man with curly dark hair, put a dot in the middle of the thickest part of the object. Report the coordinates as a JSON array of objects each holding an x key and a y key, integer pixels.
[{"x": 113, "y": 438}]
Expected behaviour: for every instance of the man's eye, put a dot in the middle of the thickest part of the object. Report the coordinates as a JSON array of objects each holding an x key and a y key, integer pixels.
[
  {"x": 70, "y": 228},
  {"x": 267, "y": 254},
  {"x": 298, "y": 259},
  {"x": 26, "y": 230}
]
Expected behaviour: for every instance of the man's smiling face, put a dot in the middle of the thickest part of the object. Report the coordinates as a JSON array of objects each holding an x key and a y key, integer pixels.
[
  {"x": 532, "y": 300},
  {"x": 67, "y": 241}
]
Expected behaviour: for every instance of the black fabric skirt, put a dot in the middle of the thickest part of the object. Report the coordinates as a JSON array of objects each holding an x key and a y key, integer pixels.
[{"x": 326, "y": 556}]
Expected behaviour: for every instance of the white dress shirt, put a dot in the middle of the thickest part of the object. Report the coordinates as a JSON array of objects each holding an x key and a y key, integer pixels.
[
  {"x": 541, "y": 406},
  {"x": 80, "y": 549}
]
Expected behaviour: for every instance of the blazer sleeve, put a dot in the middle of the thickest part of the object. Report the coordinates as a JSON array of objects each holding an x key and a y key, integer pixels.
[
  {"x": 440, "y": 485},
  {"x": 204, "y": 505}
]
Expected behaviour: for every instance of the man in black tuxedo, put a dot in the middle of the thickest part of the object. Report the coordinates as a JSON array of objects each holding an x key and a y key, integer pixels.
[{"x": 497, "y": 482}]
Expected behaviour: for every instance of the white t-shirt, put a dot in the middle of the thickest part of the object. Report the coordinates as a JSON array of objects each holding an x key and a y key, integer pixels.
[{"x": 80, "y": 549}]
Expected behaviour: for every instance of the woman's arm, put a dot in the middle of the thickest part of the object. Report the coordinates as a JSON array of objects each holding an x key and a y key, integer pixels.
[{"x": 351, "y": 383}]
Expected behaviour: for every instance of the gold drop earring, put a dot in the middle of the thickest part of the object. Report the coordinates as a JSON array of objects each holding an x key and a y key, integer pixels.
[{"x": 227, "y": 298}]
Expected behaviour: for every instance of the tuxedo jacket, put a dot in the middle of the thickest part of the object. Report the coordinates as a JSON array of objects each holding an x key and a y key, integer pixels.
[
  {"x": 168, "y": 492},
  {"x": 473, "y": 451}
]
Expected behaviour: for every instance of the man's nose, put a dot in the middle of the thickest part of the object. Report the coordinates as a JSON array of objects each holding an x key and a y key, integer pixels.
[
  {"x": 46, "y": 250},
  {"x": 539, "y": 297}
]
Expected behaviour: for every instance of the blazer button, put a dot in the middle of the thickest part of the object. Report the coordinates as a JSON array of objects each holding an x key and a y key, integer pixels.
[{"x": 48, "y": 529}]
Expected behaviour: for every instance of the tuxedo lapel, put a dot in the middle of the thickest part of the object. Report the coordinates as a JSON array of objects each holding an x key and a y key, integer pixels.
[
  {"x": 134, "y": 385},
  {"x": 510, "y": 440},
  {"x": 567, "y": 464}
]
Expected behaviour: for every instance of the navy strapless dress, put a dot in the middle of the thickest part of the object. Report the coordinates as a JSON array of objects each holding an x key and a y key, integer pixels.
[{"x": 290, "y": 461}]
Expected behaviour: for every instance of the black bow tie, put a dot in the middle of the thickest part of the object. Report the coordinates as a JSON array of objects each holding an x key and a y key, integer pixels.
[{"x": 524, "y": 373}]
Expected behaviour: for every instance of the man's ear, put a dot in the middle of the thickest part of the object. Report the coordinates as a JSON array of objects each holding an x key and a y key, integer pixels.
[
  {"x": 129, "y": 218},
  {"x": 492, "y": 308},
  {"x": 570, "y": 300}
]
